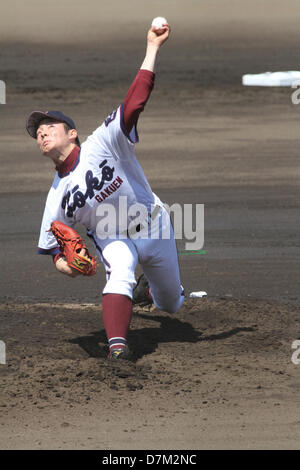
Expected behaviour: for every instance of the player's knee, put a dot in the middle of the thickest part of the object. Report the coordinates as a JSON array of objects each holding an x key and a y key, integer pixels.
[
  {"x": 172, "y": 304},
  {"x": 171, "y": 309},
  {"x": 120, "y": 284}
]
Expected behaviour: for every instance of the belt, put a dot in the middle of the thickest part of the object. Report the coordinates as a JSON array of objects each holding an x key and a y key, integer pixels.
[{"x": 140, "y": 227}]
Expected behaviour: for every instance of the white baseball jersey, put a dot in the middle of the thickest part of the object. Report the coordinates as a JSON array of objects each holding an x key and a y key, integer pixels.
[{"x": 106, "y": 168}]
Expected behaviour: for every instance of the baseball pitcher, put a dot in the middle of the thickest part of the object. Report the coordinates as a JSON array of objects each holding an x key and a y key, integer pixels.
[{"x": 100, "y": 173}]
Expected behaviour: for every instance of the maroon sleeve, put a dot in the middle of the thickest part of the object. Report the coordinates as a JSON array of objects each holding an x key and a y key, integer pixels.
[{"x": 137, "y": 97}]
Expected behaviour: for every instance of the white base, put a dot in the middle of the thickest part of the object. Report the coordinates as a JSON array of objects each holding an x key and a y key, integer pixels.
[
  {"x": 201, "y": 293},
  {"x": 288, "y": 78}
]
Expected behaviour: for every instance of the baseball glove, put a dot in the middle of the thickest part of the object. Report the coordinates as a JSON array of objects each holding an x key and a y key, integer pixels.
[{"x": 71, "y": 244}]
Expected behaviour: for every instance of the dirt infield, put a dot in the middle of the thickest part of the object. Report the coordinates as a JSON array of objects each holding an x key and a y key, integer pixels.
[
  {"x": 218, "y": 374},
  {"x": 215, "y": 375}
]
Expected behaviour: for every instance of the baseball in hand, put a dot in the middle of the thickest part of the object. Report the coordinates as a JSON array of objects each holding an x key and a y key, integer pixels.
[{"x": 157, "y": 25}]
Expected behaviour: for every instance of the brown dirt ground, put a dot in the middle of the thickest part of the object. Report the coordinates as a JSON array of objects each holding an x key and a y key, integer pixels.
[{"x": 215, "y": 375}]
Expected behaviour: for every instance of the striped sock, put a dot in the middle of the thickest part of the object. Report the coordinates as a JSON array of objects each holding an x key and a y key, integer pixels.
[
  {"x": 117, "y": 343},
  {"x": 116, "y": 313}
]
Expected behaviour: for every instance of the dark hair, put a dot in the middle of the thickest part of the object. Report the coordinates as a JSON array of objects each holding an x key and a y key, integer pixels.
[{"x": 68, "y": 128}]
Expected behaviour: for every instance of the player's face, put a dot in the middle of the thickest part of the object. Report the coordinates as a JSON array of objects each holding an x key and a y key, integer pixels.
[{"x": 52, "y": 137}]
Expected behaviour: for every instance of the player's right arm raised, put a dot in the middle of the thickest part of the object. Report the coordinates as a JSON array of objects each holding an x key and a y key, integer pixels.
[
  {"x": 154, "y": 42},
  {"x": 140, "y": 90}
]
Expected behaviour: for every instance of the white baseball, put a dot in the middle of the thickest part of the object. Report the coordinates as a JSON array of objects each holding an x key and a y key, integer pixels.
[{"x": 157, "y": 24}]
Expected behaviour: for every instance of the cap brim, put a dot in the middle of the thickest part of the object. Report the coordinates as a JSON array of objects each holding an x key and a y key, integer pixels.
[{"x": 34, "y": 120}]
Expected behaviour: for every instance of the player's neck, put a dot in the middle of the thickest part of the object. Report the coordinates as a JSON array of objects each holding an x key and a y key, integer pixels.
[{"x": 61, "y": 155}]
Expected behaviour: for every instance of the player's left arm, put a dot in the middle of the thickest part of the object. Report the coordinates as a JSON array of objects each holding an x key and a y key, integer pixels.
[{"x": 62, "y": 266}]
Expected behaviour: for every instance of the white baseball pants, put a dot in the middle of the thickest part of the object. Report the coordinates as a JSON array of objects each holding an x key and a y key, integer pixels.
[{"x": 157, "y": 256}]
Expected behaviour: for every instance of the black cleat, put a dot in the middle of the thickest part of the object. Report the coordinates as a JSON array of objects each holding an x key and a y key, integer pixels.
[
  {"x": 119, "y": 354},
  {"x": 141, "y": 293}
]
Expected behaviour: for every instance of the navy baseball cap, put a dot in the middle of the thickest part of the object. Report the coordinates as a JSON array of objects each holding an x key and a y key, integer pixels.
[{"x": 34, "y": 119}]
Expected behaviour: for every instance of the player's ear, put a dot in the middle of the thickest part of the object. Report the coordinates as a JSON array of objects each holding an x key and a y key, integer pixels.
[{"x": 73, "y": 134}]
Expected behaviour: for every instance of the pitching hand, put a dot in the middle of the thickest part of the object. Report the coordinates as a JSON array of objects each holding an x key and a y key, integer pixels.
[{"x": 158, "y": 39}]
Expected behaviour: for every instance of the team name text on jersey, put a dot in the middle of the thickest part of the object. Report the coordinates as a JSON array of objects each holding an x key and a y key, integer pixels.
[{"x": 92, "y": 184}]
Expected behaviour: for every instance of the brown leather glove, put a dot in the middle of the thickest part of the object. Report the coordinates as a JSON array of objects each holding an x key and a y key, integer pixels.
[{"x": 71, "y": 244}]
